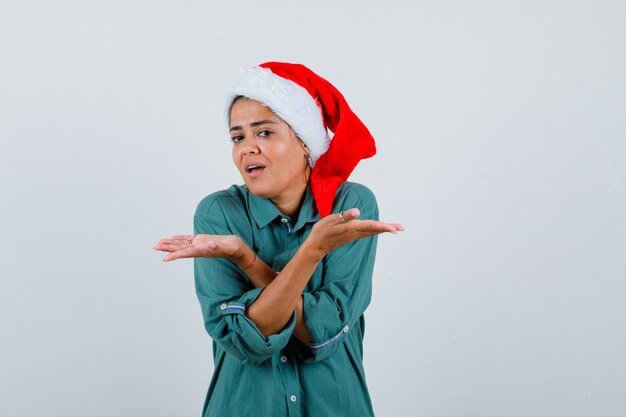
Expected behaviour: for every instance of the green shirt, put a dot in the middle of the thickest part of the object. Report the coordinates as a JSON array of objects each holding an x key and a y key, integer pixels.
[{"x": 258, "y": 376}]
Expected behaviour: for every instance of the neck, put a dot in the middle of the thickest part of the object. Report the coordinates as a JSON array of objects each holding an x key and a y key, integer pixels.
[{"x": 290, "y": 203}]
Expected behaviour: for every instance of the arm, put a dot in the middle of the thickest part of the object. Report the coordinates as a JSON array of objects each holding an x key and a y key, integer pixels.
[
  {"x": 268, "y": 311},
  {"x": 335, "y": 308},
  {"x": 261, "y": 275},
  {"x": 279, "y": 299},
  {"x": 331, "y": 310},
  {"x": 282, "y": 293},
  {"x": 232, "y": 248},
  {"x": 225, "y": 295}
]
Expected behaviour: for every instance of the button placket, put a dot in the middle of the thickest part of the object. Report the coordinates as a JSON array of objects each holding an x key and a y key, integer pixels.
[{"x": 285, "y": 221}]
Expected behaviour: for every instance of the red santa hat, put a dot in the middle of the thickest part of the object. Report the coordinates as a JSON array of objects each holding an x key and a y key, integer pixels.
[{"x": 312, "y": 107}]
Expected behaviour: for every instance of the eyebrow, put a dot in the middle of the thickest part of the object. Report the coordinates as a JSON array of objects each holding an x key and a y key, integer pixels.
[{"x": 253, "y": 124}]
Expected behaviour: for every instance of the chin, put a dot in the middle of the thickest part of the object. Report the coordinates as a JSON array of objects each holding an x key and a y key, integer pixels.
[{"x": 259, "y": 190}]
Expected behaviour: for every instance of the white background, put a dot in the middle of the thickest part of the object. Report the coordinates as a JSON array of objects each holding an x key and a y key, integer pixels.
[{"x": 501, "y": 133}]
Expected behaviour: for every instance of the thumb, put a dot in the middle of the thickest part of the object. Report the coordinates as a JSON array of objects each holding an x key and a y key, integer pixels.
[{"x": 351, "y": 214}]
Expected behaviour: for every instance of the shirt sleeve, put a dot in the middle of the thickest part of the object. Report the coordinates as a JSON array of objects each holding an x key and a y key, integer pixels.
[
  {"x": 225, "y": 294},
  {"x": 331, "y": 311}
]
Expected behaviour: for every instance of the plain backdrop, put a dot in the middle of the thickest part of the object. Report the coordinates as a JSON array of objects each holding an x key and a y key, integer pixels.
[{"x": 501, "y": 132}]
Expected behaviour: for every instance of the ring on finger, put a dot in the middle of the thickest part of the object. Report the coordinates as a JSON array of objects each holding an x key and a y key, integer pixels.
[{"x": 341, "y": 217}]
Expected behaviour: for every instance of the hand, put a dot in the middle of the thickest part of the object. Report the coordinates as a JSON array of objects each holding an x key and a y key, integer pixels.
[
  {"x": 332, "y": 232},
  {"x": 230, "y": 247}
]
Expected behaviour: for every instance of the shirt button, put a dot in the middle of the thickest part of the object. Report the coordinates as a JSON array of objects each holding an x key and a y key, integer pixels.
[
  {"x": 283, "y": 359},
  {"x": 293, "y": 398},
  {"x": 223, "y": 306},
  {"x": 346, "y": 329},
  {"x": 284, "y": 220}
]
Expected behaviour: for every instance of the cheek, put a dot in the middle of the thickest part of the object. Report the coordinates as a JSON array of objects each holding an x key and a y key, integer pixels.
[
  {"x": 296, "y": 163},
  {"x": 298, "y": 155},
  {"x": 236, "y": 156}
]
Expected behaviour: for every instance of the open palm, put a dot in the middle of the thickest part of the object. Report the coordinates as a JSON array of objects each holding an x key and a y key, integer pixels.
[{"x": 200, "y": 246}]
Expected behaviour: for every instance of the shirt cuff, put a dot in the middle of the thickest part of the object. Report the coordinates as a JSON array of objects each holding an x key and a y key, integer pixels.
[
  {"x": 247, "y": 338},
  {"x": 326, "y": 324}
]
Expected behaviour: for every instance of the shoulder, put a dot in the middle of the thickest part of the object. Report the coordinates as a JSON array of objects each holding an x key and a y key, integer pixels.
[
  {"x": 223, "y": 212},
  {"x": 355, "y": 190},
  {"x": 352, "y": 194},
  {"x": 215, "y": 204}
]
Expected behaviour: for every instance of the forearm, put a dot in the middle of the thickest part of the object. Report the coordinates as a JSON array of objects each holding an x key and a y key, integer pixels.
[
  {"x": 301, "y": 332},
  {"x": 283, "y": 293},
  {"x": 276, "y": 304},
  {"x": 262, "y": 275}
]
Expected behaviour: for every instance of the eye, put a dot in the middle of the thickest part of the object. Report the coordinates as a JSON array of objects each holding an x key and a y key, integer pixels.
[
  {"x": 236, "y": 139},
  {"x": 264, "y": 133}
]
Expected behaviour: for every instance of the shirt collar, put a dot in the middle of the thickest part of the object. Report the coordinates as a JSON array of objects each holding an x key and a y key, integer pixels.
[
  {"x": 263, "y": 211},
  {"x": 308, "y": 211}
]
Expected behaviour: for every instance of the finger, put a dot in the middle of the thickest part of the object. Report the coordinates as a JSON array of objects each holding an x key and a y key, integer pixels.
[
  {"x": 348, "y": 215},
  {"x": 186, "y": 237},
  {"x": 174, "y": 241},
  {"x": 372, "y": 227},
  {"x": 396, "y": 227},
  {"x": 184, "y": 253},
  {"x": 382, "y": 225},
  {"x": 164, "y": 247}
]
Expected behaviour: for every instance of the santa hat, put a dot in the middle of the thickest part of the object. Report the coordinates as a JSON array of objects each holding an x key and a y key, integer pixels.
[{"x": 311, "y": 106}]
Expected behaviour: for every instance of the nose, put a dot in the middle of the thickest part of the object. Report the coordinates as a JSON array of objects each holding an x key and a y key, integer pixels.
[{"x": 250, "y": 145}]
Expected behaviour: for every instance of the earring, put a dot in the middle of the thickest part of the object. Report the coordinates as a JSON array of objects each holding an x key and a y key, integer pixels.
[{"x": 309, "y": 160}]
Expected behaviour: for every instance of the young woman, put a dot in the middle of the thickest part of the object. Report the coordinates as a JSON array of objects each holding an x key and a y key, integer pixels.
[{"x": 283, "y": 264}]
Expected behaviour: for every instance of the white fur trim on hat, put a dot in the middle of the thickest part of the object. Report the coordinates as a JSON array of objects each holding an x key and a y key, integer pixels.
[{"x": 290, "y": 101}]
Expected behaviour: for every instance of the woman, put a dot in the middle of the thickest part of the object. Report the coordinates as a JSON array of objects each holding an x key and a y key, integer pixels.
[{"x": 281, "y": 281}]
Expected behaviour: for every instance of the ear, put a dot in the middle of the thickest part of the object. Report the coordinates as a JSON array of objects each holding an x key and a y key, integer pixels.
[{"x": 306, "y": 148}]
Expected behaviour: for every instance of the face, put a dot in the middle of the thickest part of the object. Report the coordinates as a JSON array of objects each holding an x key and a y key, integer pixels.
[{"x": 269, "y": 156}]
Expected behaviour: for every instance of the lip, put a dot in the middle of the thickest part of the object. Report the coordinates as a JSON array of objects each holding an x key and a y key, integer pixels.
[{"x": 256, "y": 172}]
